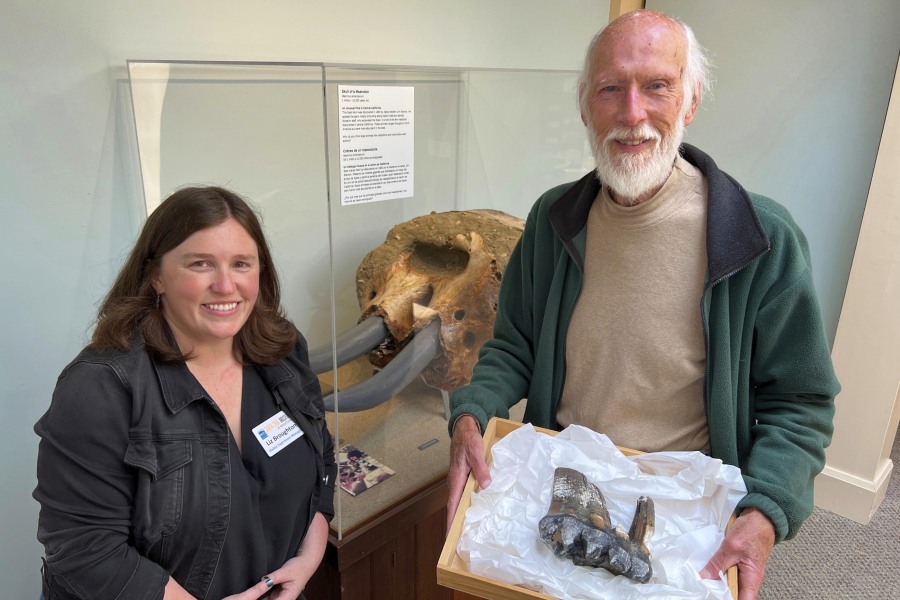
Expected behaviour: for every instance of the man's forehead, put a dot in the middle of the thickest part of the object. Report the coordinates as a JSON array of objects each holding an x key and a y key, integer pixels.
[
  {"x": 644, "y": 20},
  {"x": 648, "y": 34}
]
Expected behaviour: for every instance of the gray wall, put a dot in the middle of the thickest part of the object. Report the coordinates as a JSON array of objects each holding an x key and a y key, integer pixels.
[
  {"x": 800, "y": 97},
  {"x": 70, "y": 191}
]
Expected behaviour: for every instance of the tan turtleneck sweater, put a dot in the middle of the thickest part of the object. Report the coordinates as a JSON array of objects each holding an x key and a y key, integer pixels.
[{"x": 635, "y": 354}]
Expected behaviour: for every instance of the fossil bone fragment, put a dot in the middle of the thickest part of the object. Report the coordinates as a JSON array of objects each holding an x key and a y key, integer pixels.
[
  {"x": 442, "y": 267},
  {"x": 577, "y": 525}
]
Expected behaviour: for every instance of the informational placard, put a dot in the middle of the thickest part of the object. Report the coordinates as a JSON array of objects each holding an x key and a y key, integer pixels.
[{"x": 376, "y": 129}]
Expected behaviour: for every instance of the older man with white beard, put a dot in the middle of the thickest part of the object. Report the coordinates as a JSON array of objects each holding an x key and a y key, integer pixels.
[{"x": 658, "y": 302}]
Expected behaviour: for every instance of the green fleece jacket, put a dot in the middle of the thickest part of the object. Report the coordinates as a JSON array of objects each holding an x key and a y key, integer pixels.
[{"x": 769, "y": 384}]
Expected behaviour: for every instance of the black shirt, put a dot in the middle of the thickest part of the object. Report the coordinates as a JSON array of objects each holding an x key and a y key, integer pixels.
[{"x": 271, "y": 498}]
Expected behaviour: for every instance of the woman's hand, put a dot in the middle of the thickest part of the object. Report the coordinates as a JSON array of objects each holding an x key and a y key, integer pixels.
[
  {"x": 174, "y": 591},
  {"x": 258, "y": 590},
  {"x": 287, "y": 582}
]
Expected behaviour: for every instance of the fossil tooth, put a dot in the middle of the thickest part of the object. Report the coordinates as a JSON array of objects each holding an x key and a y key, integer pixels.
[
  {"x": 641, "y": 531},
  {"x": 577, "y": 525},
  {"x": 576, "y": 505}
]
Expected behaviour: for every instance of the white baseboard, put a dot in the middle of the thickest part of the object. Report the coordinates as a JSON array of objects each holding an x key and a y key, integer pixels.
[{"x": 852, "y": 496}]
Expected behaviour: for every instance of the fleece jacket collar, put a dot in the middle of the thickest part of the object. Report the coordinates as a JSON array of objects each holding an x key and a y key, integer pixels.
[{"x": 734, "y": 235}]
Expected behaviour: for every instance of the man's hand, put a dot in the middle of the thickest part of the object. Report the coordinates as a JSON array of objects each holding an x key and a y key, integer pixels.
[
  {"x": 466, "y": 454},
  {"x": 747, "y": 545}
]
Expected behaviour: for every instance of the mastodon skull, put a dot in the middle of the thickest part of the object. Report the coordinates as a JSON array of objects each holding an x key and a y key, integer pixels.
[{"x": 445, "y": 266}]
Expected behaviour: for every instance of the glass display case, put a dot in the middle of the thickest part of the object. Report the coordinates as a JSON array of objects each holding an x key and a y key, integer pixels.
[{"x": 334, "y": 156}]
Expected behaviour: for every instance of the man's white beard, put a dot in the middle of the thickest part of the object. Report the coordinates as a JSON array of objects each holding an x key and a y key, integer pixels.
[{"x": 630, "y": 176}]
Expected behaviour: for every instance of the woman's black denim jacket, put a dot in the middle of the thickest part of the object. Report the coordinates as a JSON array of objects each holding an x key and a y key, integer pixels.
[{"x": 133, "y": 472}]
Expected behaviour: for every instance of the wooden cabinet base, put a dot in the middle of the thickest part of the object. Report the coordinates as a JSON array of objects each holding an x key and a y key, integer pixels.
[{"x": 392, "y": 557}]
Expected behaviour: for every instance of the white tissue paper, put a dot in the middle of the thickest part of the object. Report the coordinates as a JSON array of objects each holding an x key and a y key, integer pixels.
[{"x": 694, "y": 496}]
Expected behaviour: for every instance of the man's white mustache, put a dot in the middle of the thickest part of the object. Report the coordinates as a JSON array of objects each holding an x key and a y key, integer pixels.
[{"x": 640, "y": 133}]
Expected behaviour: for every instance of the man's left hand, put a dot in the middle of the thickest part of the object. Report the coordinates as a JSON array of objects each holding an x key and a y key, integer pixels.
[{"x": 747, "y": 545}]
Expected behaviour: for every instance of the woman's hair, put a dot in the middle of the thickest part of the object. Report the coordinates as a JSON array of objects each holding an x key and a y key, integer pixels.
[{"x": 131, "y": 304}]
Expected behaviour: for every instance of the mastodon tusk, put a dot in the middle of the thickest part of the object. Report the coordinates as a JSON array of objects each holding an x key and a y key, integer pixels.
[
  {"x": 395, "y": 376},
  {"x": 350, "y": 344}
]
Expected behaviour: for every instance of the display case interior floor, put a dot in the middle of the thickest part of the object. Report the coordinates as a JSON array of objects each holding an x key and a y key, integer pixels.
[{"x": 407, "y": 433}]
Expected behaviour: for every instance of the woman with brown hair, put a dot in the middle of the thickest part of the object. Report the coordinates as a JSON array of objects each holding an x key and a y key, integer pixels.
[{"x": 185, "y": 453}]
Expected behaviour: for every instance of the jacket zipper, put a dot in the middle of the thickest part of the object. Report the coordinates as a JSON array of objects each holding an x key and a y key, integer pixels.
[
  {"x": 705, "y": 321},
  {"x": 573, "y": 256}
]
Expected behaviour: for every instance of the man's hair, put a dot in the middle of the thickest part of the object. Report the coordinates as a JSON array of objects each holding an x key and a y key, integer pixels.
[
  {"x": 131, "y": 304},
  {"x": 696, "y": 78}
]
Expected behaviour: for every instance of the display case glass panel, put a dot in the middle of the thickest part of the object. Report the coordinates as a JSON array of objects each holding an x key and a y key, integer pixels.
[{"x": 464, "y": 139}]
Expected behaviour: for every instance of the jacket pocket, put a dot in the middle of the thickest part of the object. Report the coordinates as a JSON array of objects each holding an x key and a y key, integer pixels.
[{"x": 159, "y": 493}]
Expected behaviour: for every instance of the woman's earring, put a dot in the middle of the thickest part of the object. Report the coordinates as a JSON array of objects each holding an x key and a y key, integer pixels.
[{"x": 158, "y": 295}]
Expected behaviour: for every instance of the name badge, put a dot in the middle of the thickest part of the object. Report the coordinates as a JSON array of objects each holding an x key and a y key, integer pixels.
[{"x": 276, "y": 432}]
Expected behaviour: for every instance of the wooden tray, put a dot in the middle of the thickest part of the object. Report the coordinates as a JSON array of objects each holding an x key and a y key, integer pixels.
[{"x": 453, "y": 572}]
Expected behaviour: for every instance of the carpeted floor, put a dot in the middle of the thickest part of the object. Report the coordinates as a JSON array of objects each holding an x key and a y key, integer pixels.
[{"x": 836, "y": 558}]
